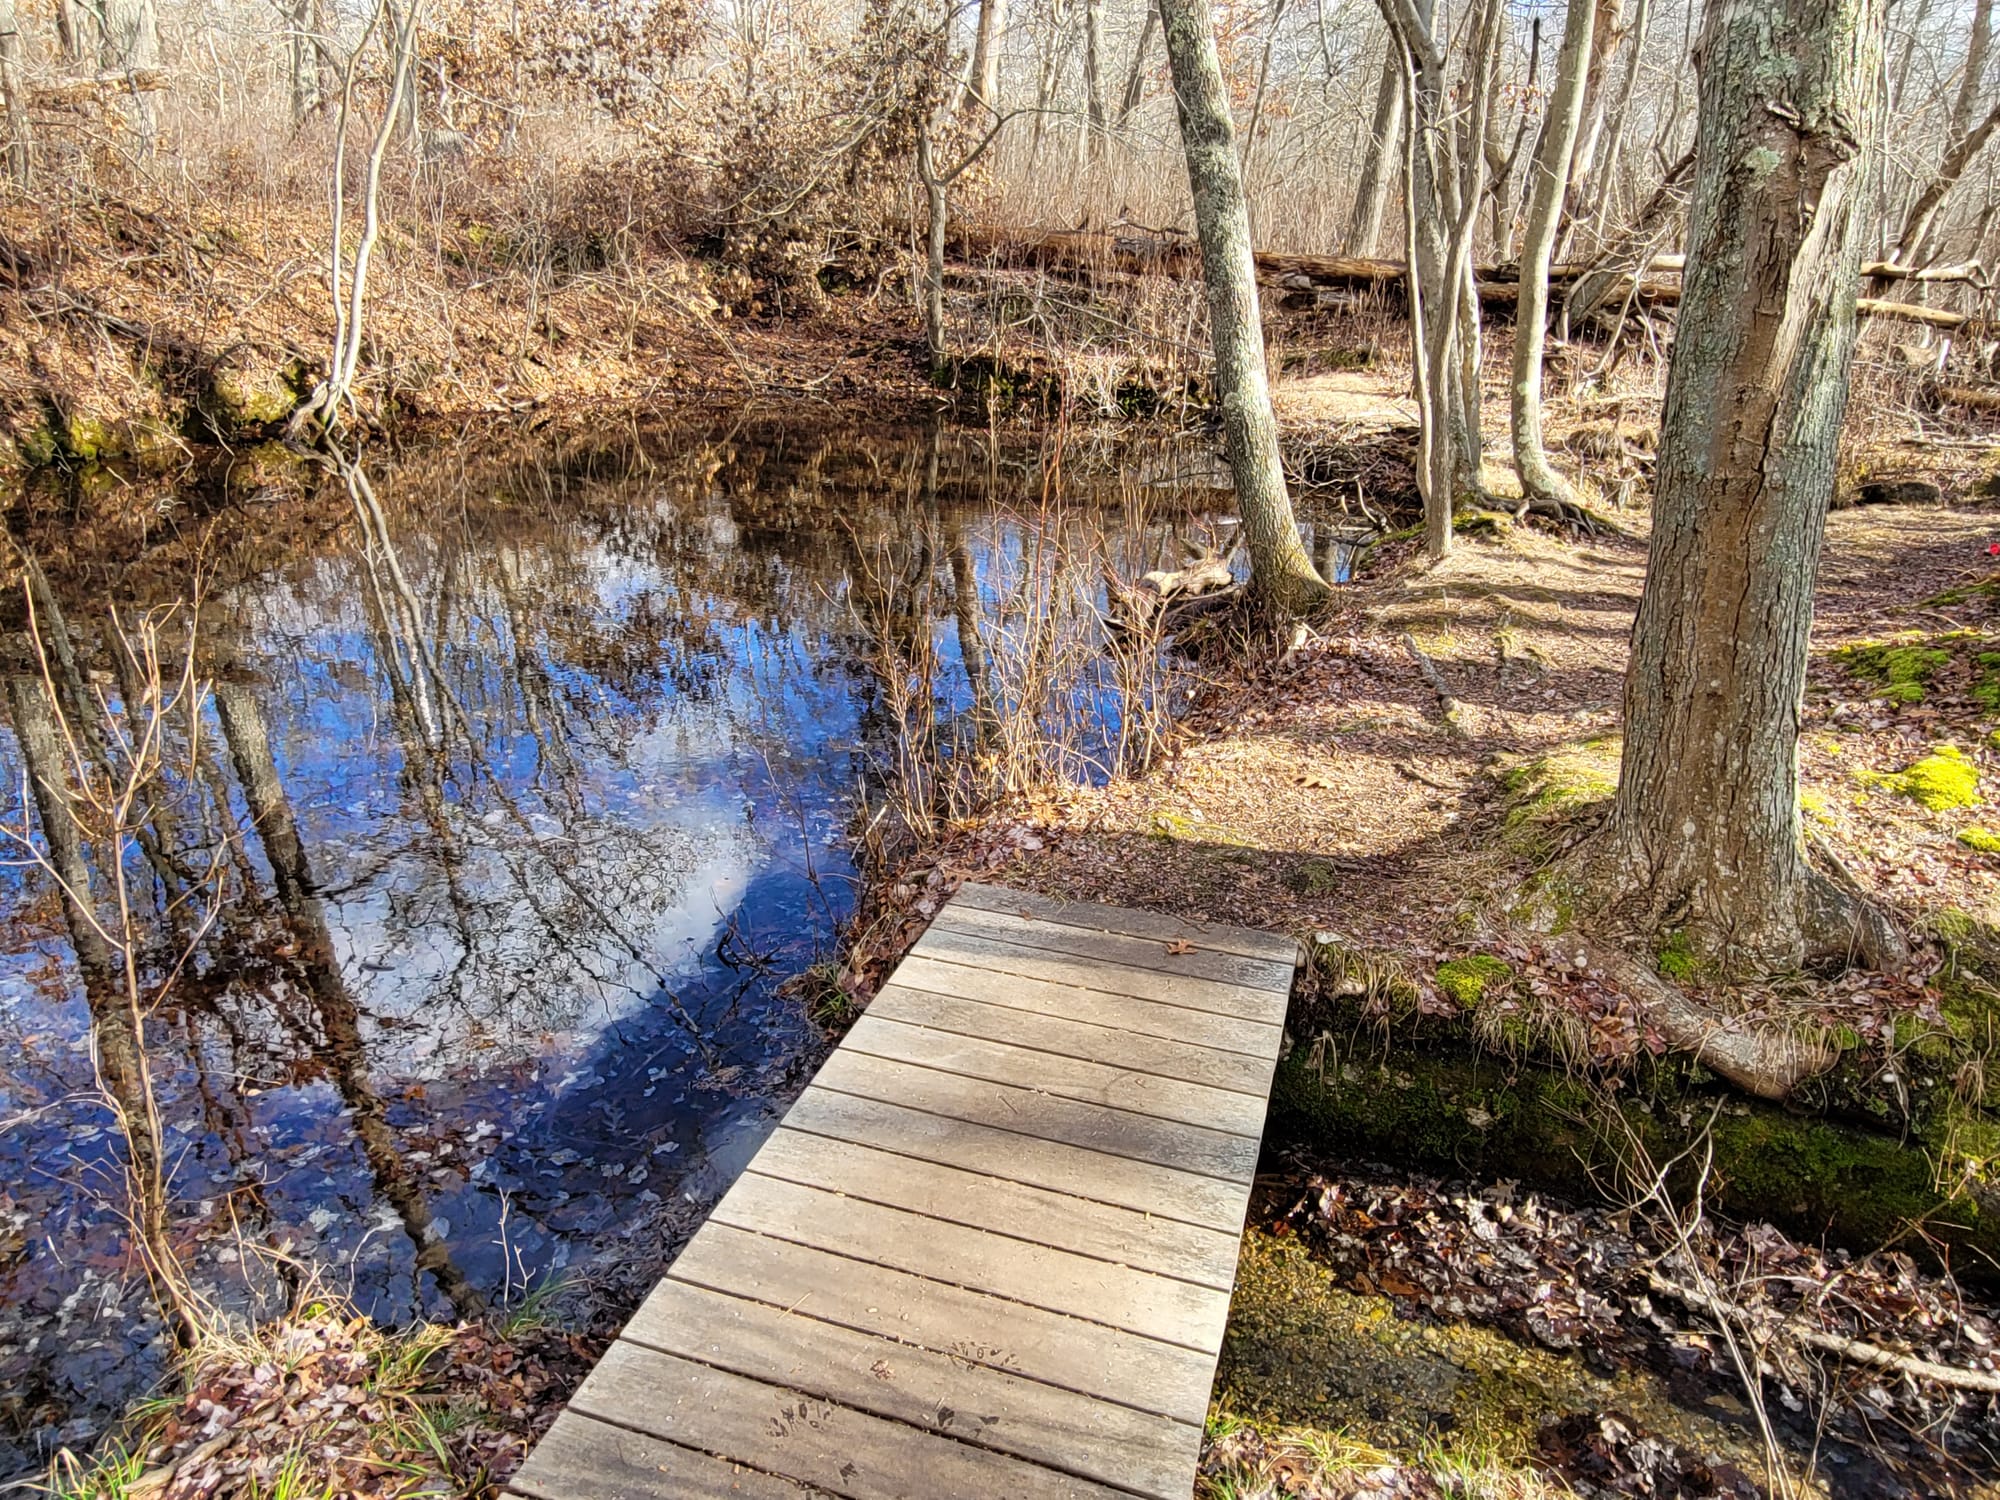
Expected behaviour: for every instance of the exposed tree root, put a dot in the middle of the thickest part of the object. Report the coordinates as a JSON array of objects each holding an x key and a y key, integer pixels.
[
  {"x": 1843, "y": 922},
  {"x": 1767, "y": 1062},
  {"x": 1448, "y": 706}
]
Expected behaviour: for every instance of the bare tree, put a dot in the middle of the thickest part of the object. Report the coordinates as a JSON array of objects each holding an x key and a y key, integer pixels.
[
  {"x": 13, "y": 94},
  {"x": 1281, "y": 570},
  {"x": 1378, "y": 164},
  {"x": 1543, "y": 487},
  {"x": 985, "y": 90},
  {"x": 1704, "y": 833},
  {"x": 1444, "y": 179}
]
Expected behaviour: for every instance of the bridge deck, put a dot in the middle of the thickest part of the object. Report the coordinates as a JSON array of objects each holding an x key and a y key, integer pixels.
[{"x": 988, "y": 1253}]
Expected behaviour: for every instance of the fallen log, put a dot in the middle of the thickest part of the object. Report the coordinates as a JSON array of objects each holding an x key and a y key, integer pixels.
[{"x": 72, "y": 93}]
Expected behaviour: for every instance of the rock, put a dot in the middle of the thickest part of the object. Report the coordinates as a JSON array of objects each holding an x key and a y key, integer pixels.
[{"x": 249, "y": 388}]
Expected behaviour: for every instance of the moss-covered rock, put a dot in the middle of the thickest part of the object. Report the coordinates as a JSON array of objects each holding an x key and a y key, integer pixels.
[
  {"x": 246, "y": 390},
  {"x": 1941, "y": 781},
  {"x": 1546, "y": 791}
]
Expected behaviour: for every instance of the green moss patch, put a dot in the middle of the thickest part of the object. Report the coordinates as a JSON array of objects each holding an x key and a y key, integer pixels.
[
  {"x": 1984, "y": 840},
  {"x": 1900, "y": 669},
  {"x": 1543, "y": 793},
  {"x": 1468, "y": 979},
  {"x": 1941, "y": 781}
]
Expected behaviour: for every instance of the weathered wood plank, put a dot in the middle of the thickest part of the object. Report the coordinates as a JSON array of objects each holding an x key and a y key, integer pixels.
[
  {"x": 987, "y": 1408},
  {"x": 1122, "y": 1236},
  {"x": 1214, "y": 1153},
  {"x": 1082, "y": 1040},
  {"x": 1272, "y": 947},
  {"x": 582, "y": 1456},
  {"x": 1063, "y": 1077},
  {"x": 820, "y": 1442},
  {"x": 1176, "y": 1312},
  {"x": 1199, "y": 1028},
  {"x": 973, "y": 1327},
  {"x": 947, "y": 943},
  {"x": 1163, "y": 1192},
  {"x": 990, "y": 1250},
  {"x": 1133, "y": 952}
]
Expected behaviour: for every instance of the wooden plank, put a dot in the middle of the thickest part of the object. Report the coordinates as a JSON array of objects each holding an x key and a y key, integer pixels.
[
  {"x": 1133, "y": 952},
  {"x": 921, "y": 971},
  {"x": 1163, "y": 1192},
  {"x": 822, "y": 1443},
  {"x": 1212, "y": 1153},
  {"x": 1082, "y": 1040},
  {"x": 941, "y": 941},
  {"x": 1063, "y": 1077},
  {"x": 1158, "y": 1307},
  {"x": 987, "y": 1408},
  {"x": 583, "y": 1456},
  {"x": 972, "y": 1327},
  {"x": 1272, "y": 947},
  {"x": 1119, "y": 1235}
]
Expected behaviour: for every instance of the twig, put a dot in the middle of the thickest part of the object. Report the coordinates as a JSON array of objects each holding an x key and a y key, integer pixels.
[
  {"x": 1858, "y": 1350},
  {"x": 1448, "y": 706}
]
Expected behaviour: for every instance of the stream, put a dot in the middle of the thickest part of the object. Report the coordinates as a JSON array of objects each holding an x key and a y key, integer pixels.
[{"x": 576, "y": 741}]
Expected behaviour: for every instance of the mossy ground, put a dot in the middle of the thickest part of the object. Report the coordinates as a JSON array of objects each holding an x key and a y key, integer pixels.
[
  {"x": 1942, "y": 781},
  {"x": 1302, "y": 1352}
]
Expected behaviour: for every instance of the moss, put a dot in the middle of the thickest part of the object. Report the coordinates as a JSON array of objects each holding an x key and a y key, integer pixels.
[
  {"x": 1986, "y": 588},
  {"x": 1313, "y": 877},
  {"x": 39, "y": 445},
  {"x": 1815, "y": 805},
  {"x": 1546, "y": 791},
  {"x": 85, "y": 437},
  {"x": 1984, "y": 840},
  {"x": 1901, "y": 668},
  {"x": 1676, "y": 958},
  {"x": 1168, "y": 825},
  {"x": 1941, "y": 781},
  {"x": 1452, "y": 1110},
  {"x": 1468, "y": 979}
]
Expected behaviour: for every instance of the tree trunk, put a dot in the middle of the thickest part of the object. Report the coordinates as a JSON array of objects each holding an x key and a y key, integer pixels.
[
  {"x": 1704, "y": 834},
  {"x": 1606, "y": 34},
  {"x": 13, "y": 94},
  {"x": 1385, "y": 133},
  {"x": 1280, "y": 568},
  {"x": 985, "y": 90},
  {"x": 1135, "y": 80},
  {"x": 1539, "y": 482},
  {"x": 1444, "y": 184},
  {"x": 1093, "y": 74},
  {"x": 302, "y": 52},
  {"x": 130, "y": 43},
  {"x": 934, "y": 197}
]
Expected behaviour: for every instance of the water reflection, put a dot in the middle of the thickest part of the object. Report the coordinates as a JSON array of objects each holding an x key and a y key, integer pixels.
[{"x": 518, "y": 788}]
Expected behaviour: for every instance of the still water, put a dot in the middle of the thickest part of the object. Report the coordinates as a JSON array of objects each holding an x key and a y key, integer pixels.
[{"x": 504, "y": 813}]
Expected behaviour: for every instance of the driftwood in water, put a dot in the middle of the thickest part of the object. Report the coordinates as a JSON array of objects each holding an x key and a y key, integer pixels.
[{"x": 1164, "y": 598}]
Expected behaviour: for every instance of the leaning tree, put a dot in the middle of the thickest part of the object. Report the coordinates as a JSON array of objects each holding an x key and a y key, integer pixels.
[{"x": 1704, "y": 835}]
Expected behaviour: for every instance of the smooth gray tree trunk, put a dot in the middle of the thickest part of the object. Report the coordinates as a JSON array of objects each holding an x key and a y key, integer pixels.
[
  {"x": 1550, "y": 181},
  {"x": 1378, "y": 167},
  {"x": 1704, "y": 834},
  {"x": 985, "y": 90},
  {"x": 1281, "y": 570}
]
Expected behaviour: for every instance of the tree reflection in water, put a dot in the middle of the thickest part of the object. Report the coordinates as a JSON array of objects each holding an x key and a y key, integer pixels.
[{"x": 530, "y": 781}]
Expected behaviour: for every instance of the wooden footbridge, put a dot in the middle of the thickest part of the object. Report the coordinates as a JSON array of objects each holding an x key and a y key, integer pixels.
[{"x": 988, "y": 1253}]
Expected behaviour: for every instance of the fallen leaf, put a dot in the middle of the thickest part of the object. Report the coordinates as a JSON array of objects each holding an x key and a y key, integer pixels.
[{"x": 1179, "y": 946}]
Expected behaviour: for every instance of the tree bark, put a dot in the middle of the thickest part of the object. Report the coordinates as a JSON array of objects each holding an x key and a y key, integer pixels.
[
  {"x": 1539, "y": 482},
  {"x": 1378, "y": 167},
  {"x": 1704, "y": 834},
  {"x": 985, "y": 90},
  {"x": 1281, "y": 570},
  {"x": 1135, "y": 80},
  {"x": 13, "y": 95},
  {"x": 130, "y": 43},
  {"x": 1093, "y": 74}
]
